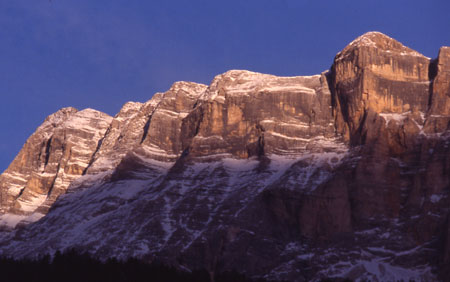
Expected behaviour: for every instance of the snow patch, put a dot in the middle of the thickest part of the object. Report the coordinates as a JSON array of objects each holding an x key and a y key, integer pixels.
[
  {"x": 32, "y": 203},
  {"x": 238, "y": 165},
  {"x": 399, "y": 118},
  {"x": 435, "y": 198},
  {"x": 11, "y": 220},
  {"x": 376, "y": 269},
  {"x": 288, "y": 137}
]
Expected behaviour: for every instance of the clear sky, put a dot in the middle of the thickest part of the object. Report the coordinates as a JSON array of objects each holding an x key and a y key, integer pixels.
[{"x": 103, "y": 53}]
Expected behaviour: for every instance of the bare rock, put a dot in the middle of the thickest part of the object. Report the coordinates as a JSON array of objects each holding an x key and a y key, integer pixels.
[
  {"x": 247, "y": 114},
  {"x": 378, "y": 73},
  {"x": 53, "y": 157},
  {"x": 439, "y": 114}
]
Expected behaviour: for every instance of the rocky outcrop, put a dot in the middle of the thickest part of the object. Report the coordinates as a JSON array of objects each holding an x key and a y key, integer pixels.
[
  {"x": 342, "y": 174},
  {"x": 155, "y": 141},
  {"x": 53, "y": 157},
  {"x": 439, "y": 114},
  {"x": 163, "y": 138},
  {"x": 377, "y": 74},
  {"x": 245, "y": 114}
]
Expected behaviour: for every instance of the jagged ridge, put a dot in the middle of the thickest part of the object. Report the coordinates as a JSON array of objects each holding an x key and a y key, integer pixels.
[{"x": 257, "y": 167}]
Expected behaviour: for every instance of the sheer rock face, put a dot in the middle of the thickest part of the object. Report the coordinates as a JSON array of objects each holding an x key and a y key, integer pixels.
[
  {"x": 376, "y": 73},
  {"x": 53, "y": 157},
  {"x": 32, "y": 156},
  {"x": 125, "y": 131},
  {"x": 160, "y": 144},
  {"x": 140, "y": 132},
  {"x": 384, "y": 99},
  {"x": 336, "y": 175},
  {"x": 163, "y": 138},
  {"x": 439, "y": 114},
  {"x": 124, "y": 134},
  {"x": 245, "y": 114}
]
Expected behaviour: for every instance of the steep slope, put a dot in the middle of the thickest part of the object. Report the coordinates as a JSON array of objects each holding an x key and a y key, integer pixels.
[
  {"x": 247, "y": 114},
  {"x": 377, "y": 74},
  {"x": 145, "y": 131},
  {"x": 53, "y": 157},
  {"x": 342, "y": 174}
]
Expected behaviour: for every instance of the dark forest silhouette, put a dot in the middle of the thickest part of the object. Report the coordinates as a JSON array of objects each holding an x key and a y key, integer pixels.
[{"x": 72, "y": 266}]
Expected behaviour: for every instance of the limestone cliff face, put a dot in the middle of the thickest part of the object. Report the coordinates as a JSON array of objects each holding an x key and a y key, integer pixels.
[
  {"x": 377, "y": 74},
  {"x": 336, "y": 175},
  {"x": 393, "y": 100},
  {"x": 160, "y": 143},
  {"x": 143, "y": 131},
  {"x": 245, "y": 114},
  {"x": 53, "y": 157},
  {"x": 439, "y": 113},
  {"x": 163, "y": 138}
]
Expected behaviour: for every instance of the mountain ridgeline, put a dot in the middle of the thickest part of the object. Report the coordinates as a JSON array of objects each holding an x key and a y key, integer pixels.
[{"x": 344, "y": 174}]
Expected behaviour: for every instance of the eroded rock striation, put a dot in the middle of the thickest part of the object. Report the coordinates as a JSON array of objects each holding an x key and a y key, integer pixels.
[
  {"x": 51, "y": 159},
  {"x": 342, "y": 174}
]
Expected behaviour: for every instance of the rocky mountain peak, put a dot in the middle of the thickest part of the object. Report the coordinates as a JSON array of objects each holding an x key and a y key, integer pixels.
[
  {"x": 60, "y": 116},
  {"x": 51, "y": 159},
  {"x": 88, "y": 120},
  {"x": 190, "y": 88},
  {"x": 377, "y": 75},
  {"x": 380, "y": 42},
  {"x": 243, "y": 82},
  {"x": 443, "y": 59},
  {"x": 128, "y": 109}
]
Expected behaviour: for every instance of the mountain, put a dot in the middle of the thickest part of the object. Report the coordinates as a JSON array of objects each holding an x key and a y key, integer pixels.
[{"x": 344, "y": 174}]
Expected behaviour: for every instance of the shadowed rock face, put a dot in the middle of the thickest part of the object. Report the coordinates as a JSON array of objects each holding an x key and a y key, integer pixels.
[
  {"x": 439, "y": 114},
  {"x": 342, "y": 174}
]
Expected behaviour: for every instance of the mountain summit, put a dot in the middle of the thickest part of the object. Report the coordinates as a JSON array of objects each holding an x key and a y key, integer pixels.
[{"x": 343, "y": 174}]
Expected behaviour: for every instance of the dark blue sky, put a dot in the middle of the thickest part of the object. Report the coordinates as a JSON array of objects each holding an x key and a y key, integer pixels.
[{"x": 103, "y": 53}]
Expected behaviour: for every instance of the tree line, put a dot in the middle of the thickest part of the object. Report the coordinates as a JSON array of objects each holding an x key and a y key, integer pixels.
[{"x": 72, "y": 266}]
